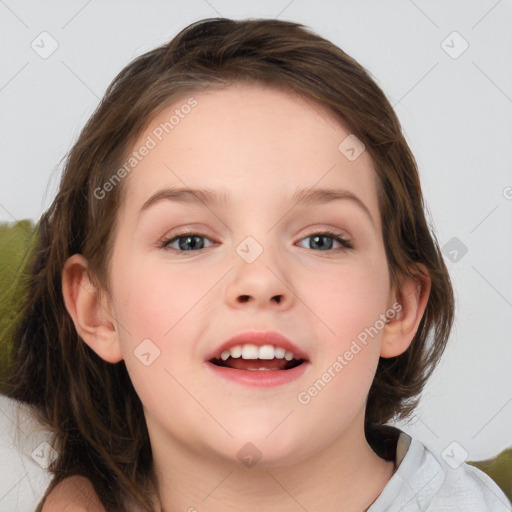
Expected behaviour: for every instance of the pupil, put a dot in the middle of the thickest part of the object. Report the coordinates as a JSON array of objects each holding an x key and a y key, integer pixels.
[
  {"x": 190, "y": 240},
  {"x": 322, "y": 246}
]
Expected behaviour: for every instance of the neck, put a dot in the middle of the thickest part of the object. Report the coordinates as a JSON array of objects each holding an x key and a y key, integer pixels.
[{"x": 346, "y": 476}]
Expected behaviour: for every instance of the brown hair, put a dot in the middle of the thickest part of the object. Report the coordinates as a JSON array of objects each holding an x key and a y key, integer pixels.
[{"x": 90, "y": 404}]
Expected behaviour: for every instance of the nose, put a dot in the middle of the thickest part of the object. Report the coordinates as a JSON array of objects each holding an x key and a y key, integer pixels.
[{"x": 260, "y": 283}]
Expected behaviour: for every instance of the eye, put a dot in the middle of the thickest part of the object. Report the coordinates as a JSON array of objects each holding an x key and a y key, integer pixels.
[
  {"x": 321, "y": 241},
  {"x": 188, "y": 241}
]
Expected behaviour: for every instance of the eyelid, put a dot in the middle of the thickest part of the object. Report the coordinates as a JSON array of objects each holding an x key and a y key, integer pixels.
[
  {"x": 329, "y": 230},
  {"x": 185, "y": 230}
]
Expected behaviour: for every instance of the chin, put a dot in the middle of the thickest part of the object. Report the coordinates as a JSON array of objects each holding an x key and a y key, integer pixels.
[{"x": 266, "y": 447}]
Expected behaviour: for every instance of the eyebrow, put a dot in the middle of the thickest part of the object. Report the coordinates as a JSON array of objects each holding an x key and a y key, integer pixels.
[{"x": 208, "y": 197}]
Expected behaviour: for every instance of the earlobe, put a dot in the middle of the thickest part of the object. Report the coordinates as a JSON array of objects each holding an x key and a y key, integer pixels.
[
  {"x": 400, "y": 330},
  {"x": 88, "y": 310}
]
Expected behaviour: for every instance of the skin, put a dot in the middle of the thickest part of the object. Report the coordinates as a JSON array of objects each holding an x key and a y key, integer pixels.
[
  {"x": 260, "y": 145},
  {"x": 74, "y": 494}
]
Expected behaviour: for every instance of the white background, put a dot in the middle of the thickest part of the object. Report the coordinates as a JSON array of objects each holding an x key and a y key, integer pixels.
[{"x": 455, "y": 112}]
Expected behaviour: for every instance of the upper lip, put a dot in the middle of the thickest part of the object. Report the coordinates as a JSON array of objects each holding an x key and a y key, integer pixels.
[{"x": 258, "y": 338}]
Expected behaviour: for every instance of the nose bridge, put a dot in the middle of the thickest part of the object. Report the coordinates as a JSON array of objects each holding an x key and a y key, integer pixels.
[
  {"x": 258, "y": 230},
  {"x": 259, "y": 269}
]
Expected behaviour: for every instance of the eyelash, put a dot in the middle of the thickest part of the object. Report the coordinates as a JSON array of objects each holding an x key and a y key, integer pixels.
[{"x": 346, "y": 244}]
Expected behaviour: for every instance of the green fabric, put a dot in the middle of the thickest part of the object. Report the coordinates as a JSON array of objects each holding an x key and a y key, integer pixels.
[
  {"x": 16, "y": 244},
  {"x": 499, "y": 469}
]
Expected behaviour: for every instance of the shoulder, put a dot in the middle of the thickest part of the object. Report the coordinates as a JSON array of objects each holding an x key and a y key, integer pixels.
[
  {"x": 73, "y": 494},
  {"x": 470, "y": 488},
  {"x": 452, "y": 486},
  {"x": 424, "y": 482}
]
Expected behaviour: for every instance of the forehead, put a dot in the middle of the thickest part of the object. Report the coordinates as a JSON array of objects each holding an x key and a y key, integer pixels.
[{"x": 250, "y": 140}]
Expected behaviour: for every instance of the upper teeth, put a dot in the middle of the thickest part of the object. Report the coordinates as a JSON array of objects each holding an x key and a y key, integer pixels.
[{"x": 250, "y": 351}]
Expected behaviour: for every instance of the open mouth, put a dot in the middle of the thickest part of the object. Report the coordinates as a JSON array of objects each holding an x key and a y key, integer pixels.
[
  {"x": 256, "y": 364},
  {"x": 274, "y": 363},
  {"x": 260, "y": 366}
]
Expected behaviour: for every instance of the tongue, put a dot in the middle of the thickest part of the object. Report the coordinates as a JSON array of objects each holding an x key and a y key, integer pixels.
[{"x": 248, "y": 364}]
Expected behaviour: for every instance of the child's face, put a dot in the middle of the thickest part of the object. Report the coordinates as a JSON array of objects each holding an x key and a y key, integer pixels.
[{"x": 259, "y": 146}]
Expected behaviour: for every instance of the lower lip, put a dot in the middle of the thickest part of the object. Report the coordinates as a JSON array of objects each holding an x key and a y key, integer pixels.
[{"x": 259, "y": 378}]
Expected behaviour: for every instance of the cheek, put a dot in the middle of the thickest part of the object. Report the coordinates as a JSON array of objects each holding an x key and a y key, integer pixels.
[
  {"x": 347, "y": 305},
  {"x": 152, "y": 298},
  {"x": 347, "y": 299},
  {"x": 168, "y": 305}
]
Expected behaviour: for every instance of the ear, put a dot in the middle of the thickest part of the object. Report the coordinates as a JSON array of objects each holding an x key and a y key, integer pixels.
[
  {"x": 408, "y": 308},
  {"x": 89, "y": 311}
]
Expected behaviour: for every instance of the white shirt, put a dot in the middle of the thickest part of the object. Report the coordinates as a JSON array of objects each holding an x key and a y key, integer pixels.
[{"x": 423, "y": 483}]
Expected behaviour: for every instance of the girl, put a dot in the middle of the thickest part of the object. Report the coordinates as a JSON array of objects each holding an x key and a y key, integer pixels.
[{"x": 236, "y": 288}]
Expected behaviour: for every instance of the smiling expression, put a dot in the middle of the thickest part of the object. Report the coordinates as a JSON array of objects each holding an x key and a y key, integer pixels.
[{"x": 191, "y": 270}]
